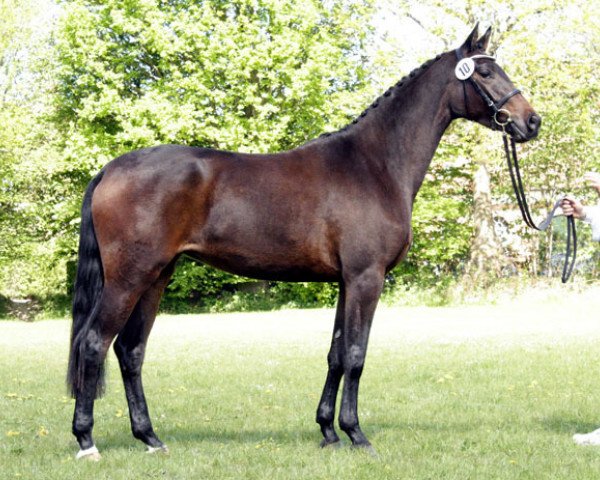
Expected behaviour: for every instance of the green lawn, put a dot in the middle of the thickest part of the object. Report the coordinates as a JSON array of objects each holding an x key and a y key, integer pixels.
[{"x": 447, "y": 393}]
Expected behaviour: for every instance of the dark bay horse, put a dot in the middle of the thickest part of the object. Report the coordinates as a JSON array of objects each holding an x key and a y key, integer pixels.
[{"x": 335, "y": 209}]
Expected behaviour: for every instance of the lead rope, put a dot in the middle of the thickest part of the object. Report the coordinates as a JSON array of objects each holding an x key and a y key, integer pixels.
[
  {"x": 517, "y": 183},
  {"x": 571, "y": 236}
]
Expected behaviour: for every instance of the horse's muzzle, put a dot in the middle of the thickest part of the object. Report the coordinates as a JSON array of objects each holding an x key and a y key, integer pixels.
[
  {"x": 533, "y": 125},
  {"x": 525, "y": 131}
]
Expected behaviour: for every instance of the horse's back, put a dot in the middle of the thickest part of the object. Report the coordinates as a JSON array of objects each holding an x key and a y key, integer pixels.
[{"x": 244, "y": 213}]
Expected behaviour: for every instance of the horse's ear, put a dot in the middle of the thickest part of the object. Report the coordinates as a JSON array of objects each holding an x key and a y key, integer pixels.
[
  {"x": 471, "y": 41},
  {"x": 483, "y": 42}
]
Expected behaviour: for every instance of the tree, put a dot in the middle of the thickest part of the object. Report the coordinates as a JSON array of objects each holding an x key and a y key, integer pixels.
[
  {"x": 266, "y": 75},
  {"x": 24, "y": 136},
  {"x": 249, "y": 75}
]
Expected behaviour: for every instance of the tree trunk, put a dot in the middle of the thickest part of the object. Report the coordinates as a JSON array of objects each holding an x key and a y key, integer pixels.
[{"x": 486, "y": 258}]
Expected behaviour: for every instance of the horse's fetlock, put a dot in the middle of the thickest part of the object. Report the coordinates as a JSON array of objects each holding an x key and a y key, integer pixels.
[
  {"x": 142, "y": 431},
  {"x": 82, "y": 425}
]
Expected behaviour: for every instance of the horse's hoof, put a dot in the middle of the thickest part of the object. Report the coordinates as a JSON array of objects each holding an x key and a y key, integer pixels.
[
  {"x": 335, "y": 445},
  {"x": 160, "y": 450},
  {"x": 91, "y": 454},
  {"x": 367, "y": 448},
  {"x": 91, "y": 457}
]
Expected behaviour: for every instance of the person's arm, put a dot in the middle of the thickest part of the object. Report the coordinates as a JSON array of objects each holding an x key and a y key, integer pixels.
[
  {"x": 592, "y": 216},
  {"x": 571, "y": 206},
  {"x": 593, "y": 180}
]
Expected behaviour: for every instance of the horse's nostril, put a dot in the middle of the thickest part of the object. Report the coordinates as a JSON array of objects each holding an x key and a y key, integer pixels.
[{"x": 534, "y": 122}]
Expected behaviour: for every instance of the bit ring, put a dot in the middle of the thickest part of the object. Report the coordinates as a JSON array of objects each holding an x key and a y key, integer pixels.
[{"x": 508, "y": 117}]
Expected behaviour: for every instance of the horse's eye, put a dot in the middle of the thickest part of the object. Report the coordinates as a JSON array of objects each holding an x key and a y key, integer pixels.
[{"x": 485, "y": 73}]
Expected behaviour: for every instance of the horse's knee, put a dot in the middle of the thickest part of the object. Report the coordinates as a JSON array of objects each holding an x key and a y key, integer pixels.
[
  {"x": 334, "y": 362},
  {"x": 354, "y": 361}
]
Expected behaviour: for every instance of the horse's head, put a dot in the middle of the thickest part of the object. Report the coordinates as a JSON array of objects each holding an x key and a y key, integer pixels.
[{"x": 482, "y": 92}]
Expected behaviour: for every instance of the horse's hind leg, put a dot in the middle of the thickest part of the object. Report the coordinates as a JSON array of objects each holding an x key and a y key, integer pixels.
[
  {"x": 130, "y": 348},
  {"x": 326, "y": 409},
  {"x": 114, "y": 308}
]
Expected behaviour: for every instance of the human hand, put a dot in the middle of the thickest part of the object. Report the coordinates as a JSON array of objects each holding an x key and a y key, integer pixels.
[
  {"x": 593, "y": 180},
  {"x": 572, "y": 206}
]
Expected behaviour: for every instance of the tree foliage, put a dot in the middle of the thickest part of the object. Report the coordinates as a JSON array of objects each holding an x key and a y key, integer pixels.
[
  {"x": 268, "y": 75},
  {"x": 243, "y": 75},
  {"x": 27, "y": 259}
]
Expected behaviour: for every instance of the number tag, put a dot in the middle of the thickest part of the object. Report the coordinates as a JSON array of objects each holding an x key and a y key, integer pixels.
[{"x": 464, "y": 69}]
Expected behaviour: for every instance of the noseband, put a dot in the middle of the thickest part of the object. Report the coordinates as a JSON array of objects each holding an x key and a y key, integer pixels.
[{"x": 465, "y": 68}]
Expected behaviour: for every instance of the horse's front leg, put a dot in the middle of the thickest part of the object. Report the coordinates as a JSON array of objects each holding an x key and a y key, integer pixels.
[{"x": 362, "y": 295}]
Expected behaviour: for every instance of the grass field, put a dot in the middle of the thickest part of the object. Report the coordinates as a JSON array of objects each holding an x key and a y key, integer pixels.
[{"x": 487, "y": 392}]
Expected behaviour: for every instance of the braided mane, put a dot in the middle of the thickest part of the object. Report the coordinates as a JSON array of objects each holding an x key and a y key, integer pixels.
[{"x": 394, "y": 89}]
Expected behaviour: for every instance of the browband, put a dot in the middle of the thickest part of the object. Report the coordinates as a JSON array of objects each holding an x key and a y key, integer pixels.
[{"x": 460, "y": 56}]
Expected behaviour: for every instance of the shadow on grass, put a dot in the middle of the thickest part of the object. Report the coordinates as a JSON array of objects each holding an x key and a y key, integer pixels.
[
  {"x": 194, "y": 434},
  {"x": 566, "y": 424}
]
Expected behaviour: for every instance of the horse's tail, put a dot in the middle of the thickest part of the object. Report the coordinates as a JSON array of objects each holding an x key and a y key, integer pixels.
[{"x": 89, "y": 283}]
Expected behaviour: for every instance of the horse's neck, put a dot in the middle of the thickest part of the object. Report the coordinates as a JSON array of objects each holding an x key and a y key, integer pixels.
[{"x": 403, "y": 132}]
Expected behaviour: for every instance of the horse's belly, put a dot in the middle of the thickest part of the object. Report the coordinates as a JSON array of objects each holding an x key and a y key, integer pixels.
[
  {"x": 268, "y": 265},
  {"x": 270, "y": 240}
]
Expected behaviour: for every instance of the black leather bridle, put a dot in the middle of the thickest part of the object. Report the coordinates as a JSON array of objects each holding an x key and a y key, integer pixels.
[
  {"x": 464, "y": 72},
  {"x": 494, "y": 106}
]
